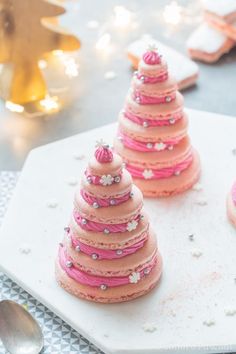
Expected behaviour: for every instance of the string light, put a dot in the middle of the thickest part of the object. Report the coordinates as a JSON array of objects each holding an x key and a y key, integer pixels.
[
  {"x": 50, "y": 103},
  {"x": 103, "y": 44},
  {"x": 122, "y": 17},
  {"x": 172, "y": 13},
  {"x": 13, "y": 107}
]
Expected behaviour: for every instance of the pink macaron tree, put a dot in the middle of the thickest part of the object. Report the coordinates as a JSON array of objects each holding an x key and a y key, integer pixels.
[
  {"x": 109, "y": 252},
  {"x": 152, "y": 136}
]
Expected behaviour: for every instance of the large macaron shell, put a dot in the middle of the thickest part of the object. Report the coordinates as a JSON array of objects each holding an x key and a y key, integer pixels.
[
  {"x": 114, "y": 294},
  {"x": 156, "y": 160},
  {"x": 114, "y": 190},
  {"x": 113, "y": 240},
  {"x": 153, "y": 134},
  {"x": 231, "y": 210},
  {"x": 116, "y": 214},
  {"x": 154, "y": 90},
  {"x": 99, "y": 169},
  {"x": 152, "y": 70},
  {"x": 165, "y": 187},
  {"x": 114, "y": 267},
  {"x": 154, "y": 111}
]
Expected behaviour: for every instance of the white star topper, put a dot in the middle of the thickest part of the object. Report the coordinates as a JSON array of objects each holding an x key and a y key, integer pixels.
[
  {"x": 101, "y": 143},
  {"x": 147, "y": 174},
  {"x": 132, "y": 225},
  {"x": 134, "y": 277},
  {"x": 106, "y": 180}
]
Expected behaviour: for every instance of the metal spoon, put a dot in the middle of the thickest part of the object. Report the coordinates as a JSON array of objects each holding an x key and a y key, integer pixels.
[{"x": 19, "y": 331}]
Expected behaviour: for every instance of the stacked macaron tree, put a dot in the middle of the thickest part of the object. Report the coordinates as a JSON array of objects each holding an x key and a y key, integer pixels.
[
  {"x": 109, "y": 253},
  {"x": 231, "y": 205},
  {"x": 152, "y": 137}
]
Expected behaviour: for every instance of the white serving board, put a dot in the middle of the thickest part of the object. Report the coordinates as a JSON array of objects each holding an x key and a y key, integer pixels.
[{"x": 192, "y": 290}]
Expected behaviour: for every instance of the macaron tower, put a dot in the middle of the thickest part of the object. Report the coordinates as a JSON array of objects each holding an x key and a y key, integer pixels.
[
  {"x": 109, "y": 252},
  {"x": 231, "y": 205},
  {"x": 152, "y": 137}
]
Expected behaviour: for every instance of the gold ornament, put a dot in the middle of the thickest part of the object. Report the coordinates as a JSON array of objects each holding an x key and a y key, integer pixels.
[{"x": 28, "y": 31}]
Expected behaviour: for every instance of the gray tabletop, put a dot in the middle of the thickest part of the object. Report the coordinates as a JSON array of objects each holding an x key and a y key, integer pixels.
[{"x": 98, "y": 100}]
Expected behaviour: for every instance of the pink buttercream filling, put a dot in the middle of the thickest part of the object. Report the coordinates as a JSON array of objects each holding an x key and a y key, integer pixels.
[
  {"x": 142, "y": 99},
  {"x": 170, "y": 119},
  {"x": 152, "y": 80},
  {"x": 104, "y": 202},
  {"x": 99, "y": 253},
  {"x": 89, "y": 225},
  {"x": 97, "y": 281},
  {"x": 147, "y": 147},
  {"x": 234, "y": 193},
  {"x": 99, "y": 179},
  {"x": 161, "y": 173}
]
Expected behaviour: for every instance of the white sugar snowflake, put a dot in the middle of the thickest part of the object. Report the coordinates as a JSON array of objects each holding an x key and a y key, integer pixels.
[
  {"x": 106, "y": 180},
  {"x": 149, "y": 327},
  {"x": 132, "y": 225},
  {"x": 160, "y": 146},
  {"x": 134, "y": 277},
  {"x": 147, "y": 174}
]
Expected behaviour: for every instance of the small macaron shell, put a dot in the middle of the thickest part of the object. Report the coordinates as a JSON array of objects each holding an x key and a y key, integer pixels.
[
  {"x": 153, "y": 134},
  {"x": 112, "y": 168},
  {"x": 114, "y": 190},
  {"x": 113, "y": 240},
  {"x": 114, "y": 267},
  {"x": 154, "y": 111},
  {"x": 152, "y": 70},
  {"x": 154, "y": 90},
  {"x": 165, "y": 187},
  {"x": 156, "y": 160},
  {"x": 231, "y": 210},
  {"x": 116, "y": 214},
  {"x": 112, "y": 294}
]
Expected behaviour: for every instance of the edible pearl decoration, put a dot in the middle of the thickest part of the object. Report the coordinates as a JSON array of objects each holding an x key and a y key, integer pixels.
[
  {"x": 95, "y": 205},
  {"x": 177, "y": 173},
  {"x": 112, "y": 202},
  {"x": 103, "y": 287},
  {"x": 117, "y": 179},
  {"x": 170, "y": 147},
  {"x": 89, "y": 179},
  {"x": 149, "y": 145},
  {"x": 94, "y": 256},
  {"x": 137, "y": 99},
  {"x": 106, "y": 231},
  {"x": 172, "y": 121},
  {"x": 146, "y": 271},
  {"x": 131, "y": 194},
  {"x": 119, "y": 252},
  {"x": 145, "y": 124},
  {"x": 77, "y": 248},
  {"x": 69, "y": 264},
  {"x": 168, "y": 99},
  {"x": 84, "y": 221}
]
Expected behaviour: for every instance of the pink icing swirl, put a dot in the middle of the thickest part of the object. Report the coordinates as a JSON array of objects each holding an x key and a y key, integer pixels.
[
  {"x": 151, "y": 57},
  {"x": 89, "y": 225},
  {"x": 99, "y": 253},
  {"x": 171, "y": 119},
  {"x": 102, "y": 180},
  {"x": 234, "y": 193},
  {"x": 104, "y": 202},
  {"x": 104, "y": 154},
  {"x": 161, "y": 173},
  {"x": 98, "y": 281},
  {"x": 147, "y": 146},
  {"x": 152, "y": 80},
  {"x": 142, "y": 99}
]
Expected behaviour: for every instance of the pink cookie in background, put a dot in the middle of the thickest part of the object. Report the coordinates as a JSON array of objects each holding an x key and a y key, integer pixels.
[
  {"x": 221, "y": 14},
  {"x": 231, "y": 205},
  {"x": 183, "y": 69},
  {"x": 207, "y": 44},
  {"x": 109, "y": 252},
  {"x": 152, "y": 135}
]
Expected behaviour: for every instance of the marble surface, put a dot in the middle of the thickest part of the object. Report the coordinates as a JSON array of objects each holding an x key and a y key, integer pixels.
[
  {"x": 189, "y": 311},
  {"x": 97, "y": 100}
]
